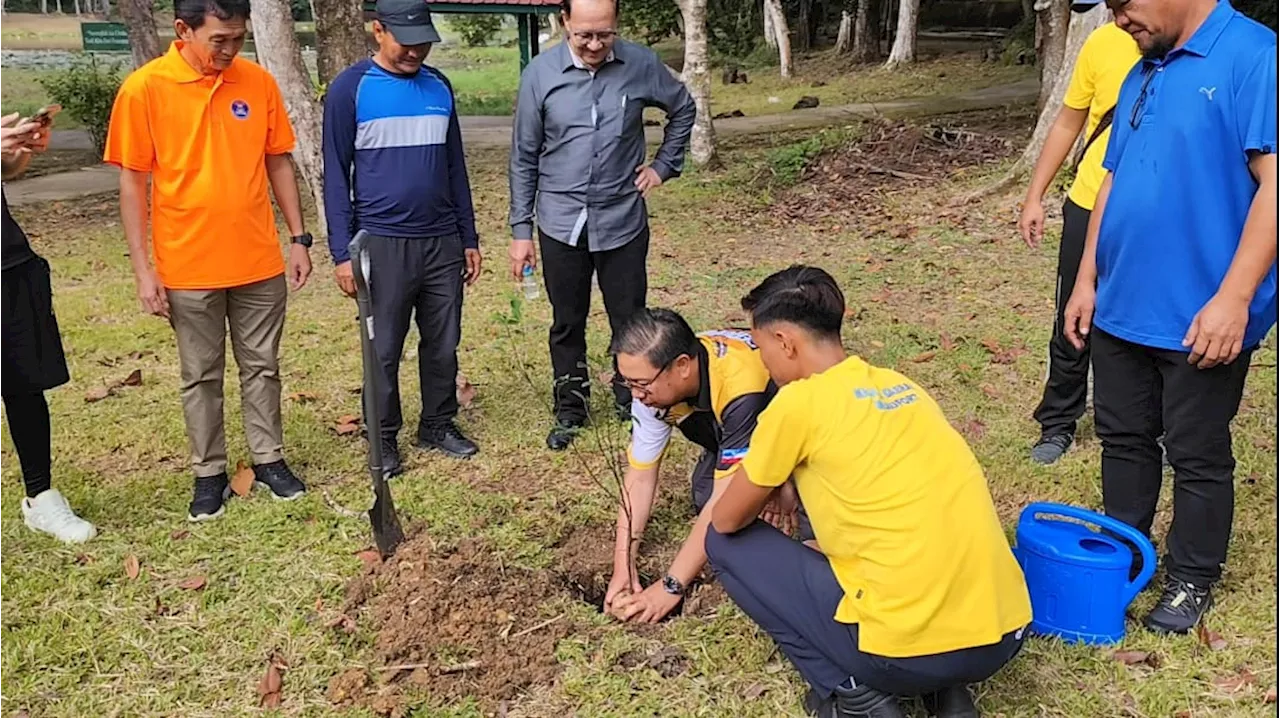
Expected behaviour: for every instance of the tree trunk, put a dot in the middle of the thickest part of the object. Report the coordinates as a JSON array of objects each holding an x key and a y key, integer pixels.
[
  {"x": 781, "y": 33},
  {"x": 1081, "y": 25},
  {"x": 553, "y": 21},
  {"x": 44, "y": 7},
  {"x": 1052, "y": 20},
  {"x": 340, "y": 37},
  {"x": 770, "y": 32},
  {"x": 866, "y": 31},
  {"x": 76, "y": 6},
  {"x": 697, "y": 76},
  {"x": 904, "y": 42},
  {"x": 844, "y": 38},
  {"x": 804, "y": 34},
  {"x": 144, "y": 41},
  {"x": 59, "y": 6},
  {"x": 279, "y": 53}
]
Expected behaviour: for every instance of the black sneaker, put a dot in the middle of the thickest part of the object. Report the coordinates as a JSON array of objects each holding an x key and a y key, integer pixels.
[
  {"x": 1051, "y": 448},
  {"x": 1180, "y": 608},
  {"x": 860, "y": 702},
  {"x": 563, "y": 434},
  {"x": 391, "y": 466},
  {"x": 953, "y": 702},
  {"x": 277, "y": 477},
  {"x": 448, "y": 440},
  {"x": 208, "y": 498}
]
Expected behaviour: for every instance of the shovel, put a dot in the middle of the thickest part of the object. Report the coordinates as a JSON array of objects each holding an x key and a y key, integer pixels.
[{"x": 387, "y": 533}]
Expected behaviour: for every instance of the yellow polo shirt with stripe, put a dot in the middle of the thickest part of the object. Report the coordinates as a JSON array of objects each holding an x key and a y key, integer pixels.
[
  {"x": 734, "y": 388},
  {"x": 900, "y": 507},
  {"x": 1105, "y": 60}
]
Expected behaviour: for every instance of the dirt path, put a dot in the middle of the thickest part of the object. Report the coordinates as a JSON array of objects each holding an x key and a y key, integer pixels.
[{"x": 495, "y": 132}]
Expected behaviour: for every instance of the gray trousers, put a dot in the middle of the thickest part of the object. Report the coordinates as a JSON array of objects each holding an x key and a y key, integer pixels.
[{"x": 419, "y": 278}]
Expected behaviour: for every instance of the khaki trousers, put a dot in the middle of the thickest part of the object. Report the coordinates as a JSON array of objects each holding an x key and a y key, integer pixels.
[{"x": 200, "y": 318}]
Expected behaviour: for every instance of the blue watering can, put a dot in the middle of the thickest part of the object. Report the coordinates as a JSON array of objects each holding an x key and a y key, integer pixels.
[{"x": 1078, "y": 578}]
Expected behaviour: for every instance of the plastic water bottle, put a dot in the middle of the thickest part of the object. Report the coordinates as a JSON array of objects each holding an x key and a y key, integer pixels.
[{"x": 529, "y": 283}]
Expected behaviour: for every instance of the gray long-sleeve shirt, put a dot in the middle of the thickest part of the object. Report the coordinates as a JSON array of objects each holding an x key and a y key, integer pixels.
[{"x": 579, "y": 137}]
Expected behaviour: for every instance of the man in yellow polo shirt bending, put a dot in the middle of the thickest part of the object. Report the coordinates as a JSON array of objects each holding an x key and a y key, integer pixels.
[
  {"x": 210, "y": 131},
  {"x": 1105, "y": 59},
  {"x": 911, "y": 588}
]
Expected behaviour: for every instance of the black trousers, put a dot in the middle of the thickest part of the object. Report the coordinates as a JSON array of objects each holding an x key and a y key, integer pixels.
[
  {"x": 419, "y": 278},
  {"x": 790, "y": 591},
  {"x": 567, "y": 271},
  {"x": 1140, "y": 392},
  {"x": 33, "y": 361},
  {"x": 1067, "y": 384}
]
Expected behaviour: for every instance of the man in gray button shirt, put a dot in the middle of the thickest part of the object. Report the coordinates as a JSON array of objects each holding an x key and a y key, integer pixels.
[{"x": 577, "y": 162}]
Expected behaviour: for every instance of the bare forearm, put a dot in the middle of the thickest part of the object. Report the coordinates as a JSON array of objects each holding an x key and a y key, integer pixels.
[
  {"x": 639, "y": 486},
  {"x": 1062, "y": 136},
  {"x": 693, "y": 553},
  {"x": 1257, "y": 251},
  {"x": 284, "y": 183},
  {"x": 133, "y": 216}
]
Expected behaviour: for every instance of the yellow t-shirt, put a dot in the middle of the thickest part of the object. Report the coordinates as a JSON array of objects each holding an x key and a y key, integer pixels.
[
  {"x": 900, "y": 507},
  {"x": 1105, "y": 60}
]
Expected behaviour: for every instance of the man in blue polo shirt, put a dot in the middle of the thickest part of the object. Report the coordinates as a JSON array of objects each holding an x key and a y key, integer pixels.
[
  {"x": 394, "y": 166},
  {"x": 1182, "y": 247}
]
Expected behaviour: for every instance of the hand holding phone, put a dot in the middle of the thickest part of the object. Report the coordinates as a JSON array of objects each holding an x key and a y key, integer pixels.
[{"x": 46, "y": 114}]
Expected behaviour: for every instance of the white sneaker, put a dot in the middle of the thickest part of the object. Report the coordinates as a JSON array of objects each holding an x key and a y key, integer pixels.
[{"x": 49, "y": 513}]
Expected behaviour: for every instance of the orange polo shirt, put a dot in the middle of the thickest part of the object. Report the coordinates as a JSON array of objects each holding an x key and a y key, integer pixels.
[{"x": 204, "y": 139}]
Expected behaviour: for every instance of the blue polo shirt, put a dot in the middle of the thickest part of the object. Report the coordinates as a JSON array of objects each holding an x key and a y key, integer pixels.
[{"x": 1181, "y": 186}]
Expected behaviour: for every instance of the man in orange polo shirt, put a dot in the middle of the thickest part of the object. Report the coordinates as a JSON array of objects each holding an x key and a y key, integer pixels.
[{"x": 210, "y": 131}]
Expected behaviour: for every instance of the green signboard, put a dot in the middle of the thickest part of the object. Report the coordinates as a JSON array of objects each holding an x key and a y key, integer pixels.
[{"x": 104, "y": 37}]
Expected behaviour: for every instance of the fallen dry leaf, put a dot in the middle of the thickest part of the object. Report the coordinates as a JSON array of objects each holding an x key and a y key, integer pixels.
[
  {"x": 973, "y": 428},
  {"x": 302, "y": 397},
  {"x": 1234, "y": 684},
  {"x": 923, "y": 357},
  {"x": 97, "y": 393},
  {"x": 369, "y": 557},
  {"x": 754, "y": 691},
  {"x": 134, "y": 378},
  {"x": 138, "y": 355},
  {"x": 242, "y": 480},
  {"x": 877, "y": 344},
  {"x": 990, "y": 391},
  {"x": 946, "y": 342},
  {"x": 343, "y": 621},
  {"x": 84, "y": 559},
  {"x": 131, "y": 566},
  {"x": 269, "y": 687},
  {"x": 194, "y": 583},
  {"x": 1270, "y": 696},
  {"x": 347, "y": 424},
  {"x": 466, "y": 391},
  {"x": 1134, "y": 658},
  {"x": 1212, "y": 639},
  {"x": 179, "y": 535}
]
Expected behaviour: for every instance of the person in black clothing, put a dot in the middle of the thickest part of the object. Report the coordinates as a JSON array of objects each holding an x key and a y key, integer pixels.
[{"x": 32, "y": 348}]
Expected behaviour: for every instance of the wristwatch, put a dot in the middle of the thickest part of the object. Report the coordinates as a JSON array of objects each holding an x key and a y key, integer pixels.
[
  {"x": 305, "y": 239},
  {"x": 672, "y": 586}
]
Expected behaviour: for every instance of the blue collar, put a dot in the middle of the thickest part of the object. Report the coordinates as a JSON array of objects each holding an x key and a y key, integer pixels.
[{"x": 1210, "y": 30}]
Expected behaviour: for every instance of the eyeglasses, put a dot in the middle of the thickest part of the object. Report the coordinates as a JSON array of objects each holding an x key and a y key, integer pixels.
[
  {"x": 644, "y": 384},
  {"x": 601, "y": 36},
  {"x": 1135, "y": 116},
  {"x": 1116, "y": 5}
]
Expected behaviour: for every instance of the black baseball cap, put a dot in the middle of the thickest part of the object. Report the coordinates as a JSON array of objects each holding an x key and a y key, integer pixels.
[
  {"x": 408, "y": 20},
  {"x": 1084, "y": 5}
]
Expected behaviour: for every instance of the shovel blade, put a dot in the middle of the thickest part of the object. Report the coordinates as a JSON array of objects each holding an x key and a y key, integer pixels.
[{"x": 387, "y": 533}]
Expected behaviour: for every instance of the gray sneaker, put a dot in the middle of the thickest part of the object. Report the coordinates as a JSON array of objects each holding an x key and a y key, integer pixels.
[{"x": 1051, "y": 448}]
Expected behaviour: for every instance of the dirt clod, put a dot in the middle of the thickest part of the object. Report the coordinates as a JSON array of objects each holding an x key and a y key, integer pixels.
[{"x": 435, "y": 609}]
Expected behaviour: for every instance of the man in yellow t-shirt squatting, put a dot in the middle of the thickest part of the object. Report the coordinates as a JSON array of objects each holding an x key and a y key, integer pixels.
[
  {"x": 911, "y": 588},
  {"x": 1105, "y": 59}
]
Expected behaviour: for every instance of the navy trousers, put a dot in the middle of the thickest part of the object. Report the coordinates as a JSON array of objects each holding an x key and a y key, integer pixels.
[{"x": 790, "y": 591}]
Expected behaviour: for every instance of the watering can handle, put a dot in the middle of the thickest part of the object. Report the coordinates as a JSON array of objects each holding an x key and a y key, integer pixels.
[{"x": 1119, "y": 528}]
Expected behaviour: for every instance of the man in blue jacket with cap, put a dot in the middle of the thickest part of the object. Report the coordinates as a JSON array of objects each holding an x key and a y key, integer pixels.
[{"x": 394, "y": 166}]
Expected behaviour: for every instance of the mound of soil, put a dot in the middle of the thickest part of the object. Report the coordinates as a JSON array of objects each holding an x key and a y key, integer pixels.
[
  {"x": 454, "y": 622},
  {"x": 891, "y": 155}
]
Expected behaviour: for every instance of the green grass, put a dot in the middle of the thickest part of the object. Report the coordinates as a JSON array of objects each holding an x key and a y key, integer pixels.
[{"x": 81, "y": 639}]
